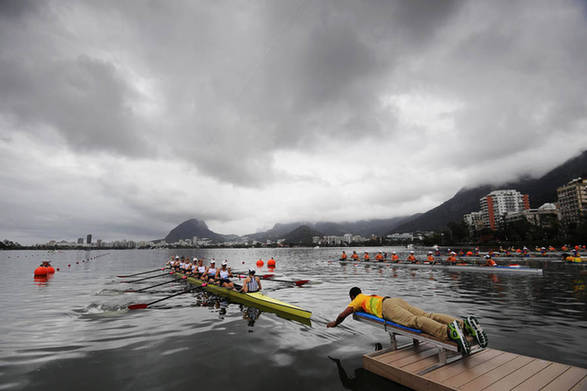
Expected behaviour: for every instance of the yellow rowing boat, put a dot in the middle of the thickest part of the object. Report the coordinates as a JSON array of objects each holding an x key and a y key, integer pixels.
[{"x": 256, "y": 299}]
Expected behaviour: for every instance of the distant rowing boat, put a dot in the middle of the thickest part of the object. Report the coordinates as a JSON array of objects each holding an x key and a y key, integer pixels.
[
  {"x": 472, "y": 268},
  {"x": 256, "y": 299}
]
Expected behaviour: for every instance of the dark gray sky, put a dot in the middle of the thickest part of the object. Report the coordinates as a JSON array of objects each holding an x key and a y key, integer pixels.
[{"x": 124, "y": 118}]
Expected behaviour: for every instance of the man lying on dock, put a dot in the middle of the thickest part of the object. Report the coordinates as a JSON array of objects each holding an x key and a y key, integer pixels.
[{"x": 444, "y": 327}]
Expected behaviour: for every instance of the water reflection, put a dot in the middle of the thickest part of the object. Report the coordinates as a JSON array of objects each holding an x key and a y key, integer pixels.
[{"x": 363, "y": 380}]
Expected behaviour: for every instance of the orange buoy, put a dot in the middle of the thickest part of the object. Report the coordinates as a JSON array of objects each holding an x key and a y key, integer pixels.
[
  {"x": 50, "y": 270},
  {"x": 41, "y": 271},
  {"x": 260, "y": 263},
  {"x": 271, "y": 263}
]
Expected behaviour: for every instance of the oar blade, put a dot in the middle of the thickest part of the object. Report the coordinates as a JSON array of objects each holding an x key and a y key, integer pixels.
[
  {"x": 301, "y": 282},
  {"x": 137, "y": 306}
]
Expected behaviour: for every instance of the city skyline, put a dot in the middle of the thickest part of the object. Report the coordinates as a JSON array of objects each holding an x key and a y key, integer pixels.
[{"x": 123, "y": 119}]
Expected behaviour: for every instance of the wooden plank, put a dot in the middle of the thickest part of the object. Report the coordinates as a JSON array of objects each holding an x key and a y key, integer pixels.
[
  {"x": 399, "y": 376},
  {"x": 517, "y": 377},
  {"x": 581, "y": 386},
  {"x": 542, "y": 378},
  {"x": 459, "y": 366},
  {"x": 471, "y": 373},
  {"x": 567, "y": 380},
  {"x": 417, "y": 356},
  {"x": 488, "y": 378},
  {"x": 421, "y": 365},
  {"x": 392, "y": 357}
]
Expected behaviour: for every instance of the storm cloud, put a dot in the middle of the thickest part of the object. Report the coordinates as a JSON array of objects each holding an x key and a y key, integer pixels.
[{"x": 125, "y": 118}]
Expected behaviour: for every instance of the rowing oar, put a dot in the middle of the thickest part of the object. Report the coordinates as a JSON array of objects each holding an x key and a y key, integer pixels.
[
  {"x": 143, "y": 306},
  {"x": 138, "y": 274},
  {"x": 143, "y": 279},
  {"x": 149, "y": 287},
  {"x": 270, "y": 277}
]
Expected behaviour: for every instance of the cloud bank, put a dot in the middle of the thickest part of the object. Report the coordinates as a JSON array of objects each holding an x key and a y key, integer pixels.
[{"x": 125, "y": 118}]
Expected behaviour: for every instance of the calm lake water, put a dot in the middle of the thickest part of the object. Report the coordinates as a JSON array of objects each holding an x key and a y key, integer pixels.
[{"x": 75, "y": 331}]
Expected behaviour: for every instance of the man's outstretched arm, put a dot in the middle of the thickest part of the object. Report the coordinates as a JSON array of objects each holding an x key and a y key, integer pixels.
[{"x": 341, "y": 317}]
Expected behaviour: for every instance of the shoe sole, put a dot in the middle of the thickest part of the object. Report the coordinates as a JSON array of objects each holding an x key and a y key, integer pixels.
[
  {"x": 464, "y": 346},
  {"x": 474, "y": 328}
]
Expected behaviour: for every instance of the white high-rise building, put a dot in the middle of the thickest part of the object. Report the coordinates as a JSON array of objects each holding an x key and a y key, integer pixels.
[
  {"x": 495, "y": 205},
  {"x": 572, "y": 201}
]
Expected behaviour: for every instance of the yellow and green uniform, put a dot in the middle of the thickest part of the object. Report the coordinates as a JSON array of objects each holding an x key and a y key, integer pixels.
[{"x": 370, "y": 304}]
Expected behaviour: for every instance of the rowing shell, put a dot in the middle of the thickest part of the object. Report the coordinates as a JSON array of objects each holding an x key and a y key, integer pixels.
[
  {"x": 258, "y": 300},
  {"x": 472, "y": 268}
]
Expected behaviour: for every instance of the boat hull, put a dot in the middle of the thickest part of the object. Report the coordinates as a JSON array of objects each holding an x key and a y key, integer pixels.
[
  {"x": 471, "y": 268},
  {"x": 256, "y": 299}
]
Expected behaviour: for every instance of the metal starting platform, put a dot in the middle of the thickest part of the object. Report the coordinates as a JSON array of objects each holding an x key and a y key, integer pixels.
[
  {"x": 428, "y": 363},
  {"x": 447, "y": 352}
]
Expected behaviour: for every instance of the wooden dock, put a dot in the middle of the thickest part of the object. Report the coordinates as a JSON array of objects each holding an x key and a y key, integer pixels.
[{"x": 488, "y": 369}]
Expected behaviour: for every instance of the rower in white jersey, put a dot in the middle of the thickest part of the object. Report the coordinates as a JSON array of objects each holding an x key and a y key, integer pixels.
[
  {"x": 223, "y": 275},
  {"x": 251, "y": 283},
  {"x": 191, "y": 269},
  {"x": 210, "y": 272},
  {"x": 200, "y": 269}
]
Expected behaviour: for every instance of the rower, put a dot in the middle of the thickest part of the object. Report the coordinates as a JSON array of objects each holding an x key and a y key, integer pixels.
[
  {"x": 193, "y": 267},
  {"x": 430, "y": 257},
  {"x": 200, "y": 269},
  {"x": 452, "y": 258},
  {"x": 489, "y": 261},
  {"x": 412, "y": 258},
  {"x": 379, "y": 257},
  {"x": 343, "y": 256},
  {"x": 252, "y": 283},
  {"x": 210, "y": 272},
  {"x": 223, "y": 275},
  {"x": 355, "y": 256},
  {"x": 444, "y": 327},
  {"x": 394, "y": 257},
  {"x": 366, "y": 256}
]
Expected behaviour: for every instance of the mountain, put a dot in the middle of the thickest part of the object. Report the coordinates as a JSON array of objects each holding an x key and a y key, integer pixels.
[
  {"x": 301, "y": 235},
  {"x": 540, "y": 190},
  {"x": 190, "y": 228},
  {"x": 361, "y": 227}
]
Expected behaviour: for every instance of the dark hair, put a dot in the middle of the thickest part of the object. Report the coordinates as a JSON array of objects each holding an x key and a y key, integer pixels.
[{"x": 354, "y": 292}]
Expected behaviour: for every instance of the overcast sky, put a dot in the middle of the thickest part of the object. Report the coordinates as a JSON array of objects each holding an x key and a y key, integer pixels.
[{"x": 124, "y": 118}]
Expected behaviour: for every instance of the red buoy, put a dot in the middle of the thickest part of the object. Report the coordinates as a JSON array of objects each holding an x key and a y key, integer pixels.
[
  {"x": 58, "y": 269},
  {"x": 69, "y": 265},
  {"x": 260, "y": 263},
  {"x": 41, "y": 271}
]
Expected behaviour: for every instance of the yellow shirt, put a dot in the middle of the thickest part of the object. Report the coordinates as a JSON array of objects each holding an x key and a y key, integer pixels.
[{"x": 370, "y": 304}]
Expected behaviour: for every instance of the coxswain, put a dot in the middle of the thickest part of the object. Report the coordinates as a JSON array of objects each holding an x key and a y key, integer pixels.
[
  {"x": 223, "y": 275},
  {"x": 379, "y": 257},
  {"x": 412, "y": 258},
  {"x": 394, "y": 257},
  {"x": 210, "y": 272},
  {"x": 489, "y": 261},
  {"x": 355, "y": 256},
  {"x": 343, "y": 256},
  {"x": 397, "y": 310},
  {"x": 366, "y": 256},
  {"x": 430, "y": 257},
  {"x": 252, "y": 283}
]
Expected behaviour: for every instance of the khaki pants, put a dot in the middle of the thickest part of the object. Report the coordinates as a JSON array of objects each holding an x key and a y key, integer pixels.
[{"x": 398, "y": 311}]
